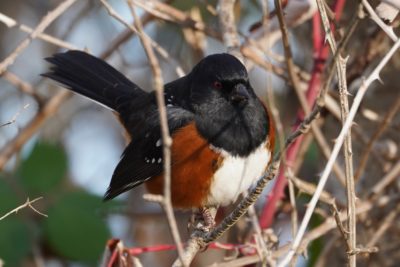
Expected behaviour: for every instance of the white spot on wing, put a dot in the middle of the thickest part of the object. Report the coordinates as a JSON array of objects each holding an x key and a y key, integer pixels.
[{"x": 158, "y": 143}]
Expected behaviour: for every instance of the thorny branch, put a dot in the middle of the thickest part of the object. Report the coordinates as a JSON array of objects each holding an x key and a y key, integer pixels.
[
  {"x": 28, "y": 203},
  {"x": 344, "y": 110}
]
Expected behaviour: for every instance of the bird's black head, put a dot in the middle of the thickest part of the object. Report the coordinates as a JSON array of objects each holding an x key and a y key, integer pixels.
[
  {"x": 228, "y": 112},
  {"x": 220, "y": 79}
]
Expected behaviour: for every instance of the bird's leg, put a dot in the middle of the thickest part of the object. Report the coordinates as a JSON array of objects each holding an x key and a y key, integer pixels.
[
  {"x": 202, "y": 219},
  {"x": 208, "y": 217}
]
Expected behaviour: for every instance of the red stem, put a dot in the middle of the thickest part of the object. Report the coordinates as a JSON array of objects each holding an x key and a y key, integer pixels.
[
  {"x": 321, "y": 53},
  {"x": 113, "y": 258},
  {"x": 247, "y": 250},
  {"x": 164, "y": 247}
]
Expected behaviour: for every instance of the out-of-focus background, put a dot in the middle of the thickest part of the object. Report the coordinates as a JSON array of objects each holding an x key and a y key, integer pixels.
[{"x": 63, "y": 148}]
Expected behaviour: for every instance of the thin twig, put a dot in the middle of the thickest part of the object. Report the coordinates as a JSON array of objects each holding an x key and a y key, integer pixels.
[
  {"x": 125, "y": 36},
  {"x": 15, "y": 116},
  {"x": 309, "y": 188},
  {"x": 160, "y": 50},
  {"x": 252, "y": 55},
  {"x": 342, "y": 229},
  {"x": 348, "y": 154},
  {"x": 294, "y": 214},
  {"x": 48, "y": 110},
  {"x": 169, "y": 13},
  {"x": 166, "y": 138},
  {"x": 261, "y": 246},
  {"x": 9, "y": 22},
  {"x": 21, "y": 85},
  {"x": 28, "y": 203}
]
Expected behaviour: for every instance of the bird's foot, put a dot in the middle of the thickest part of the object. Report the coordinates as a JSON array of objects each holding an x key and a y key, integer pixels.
[
  {"x": 202, "y": 219},
  {"x": 208, "y": 218}
]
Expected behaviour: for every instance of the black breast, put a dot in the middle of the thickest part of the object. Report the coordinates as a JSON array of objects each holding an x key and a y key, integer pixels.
[{"x": 238, "y": 131}]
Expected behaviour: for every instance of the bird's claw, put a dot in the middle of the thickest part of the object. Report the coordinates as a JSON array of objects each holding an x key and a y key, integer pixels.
[{"x": 202, "y": 220}]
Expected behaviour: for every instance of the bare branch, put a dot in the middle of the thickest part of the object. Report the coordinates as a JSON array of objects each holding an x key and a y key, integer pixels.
[
  {"x": 48, "y": 110},
  {"x": 28, "y": 203},
  {"x": 14, "y": 118},
  {"x": 9, "y": 22},
  {"x": 166, "y": 138}
]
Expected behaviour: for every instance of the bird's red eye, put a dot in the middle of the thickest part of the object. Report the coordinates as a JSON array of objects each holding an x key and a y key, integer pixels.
[{"x": 217, "y": 85}]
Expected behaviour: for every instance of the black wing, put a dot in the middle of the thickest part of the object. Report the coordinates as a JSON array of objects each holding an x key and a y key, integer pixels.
[{"x": 143, "y": 157}]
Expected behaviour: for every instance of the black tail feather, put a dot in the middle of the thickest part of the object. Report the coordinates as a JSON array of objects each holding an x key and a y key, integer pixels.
[{"x": 93, "y": 78}]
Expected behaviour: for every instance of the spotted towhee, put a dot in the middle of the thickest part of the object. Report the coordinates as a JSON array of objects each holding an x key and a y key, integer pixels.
[{"x": 222, "y": 134}]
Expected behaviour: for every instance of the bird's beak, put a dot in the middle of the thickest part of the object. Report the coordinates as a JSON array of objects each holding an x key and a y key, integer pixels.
[{"x": 239, "y": 94}]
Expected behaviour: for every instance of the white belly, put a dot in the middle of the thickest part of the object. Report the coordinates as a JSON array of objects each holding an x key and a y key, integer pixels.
[{"x": 236, "y": 175}]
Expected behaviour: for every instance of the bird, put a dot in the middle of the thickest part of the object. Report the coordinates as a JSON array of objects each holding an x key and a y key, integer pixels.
[{"x": 222, "y": 133}]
